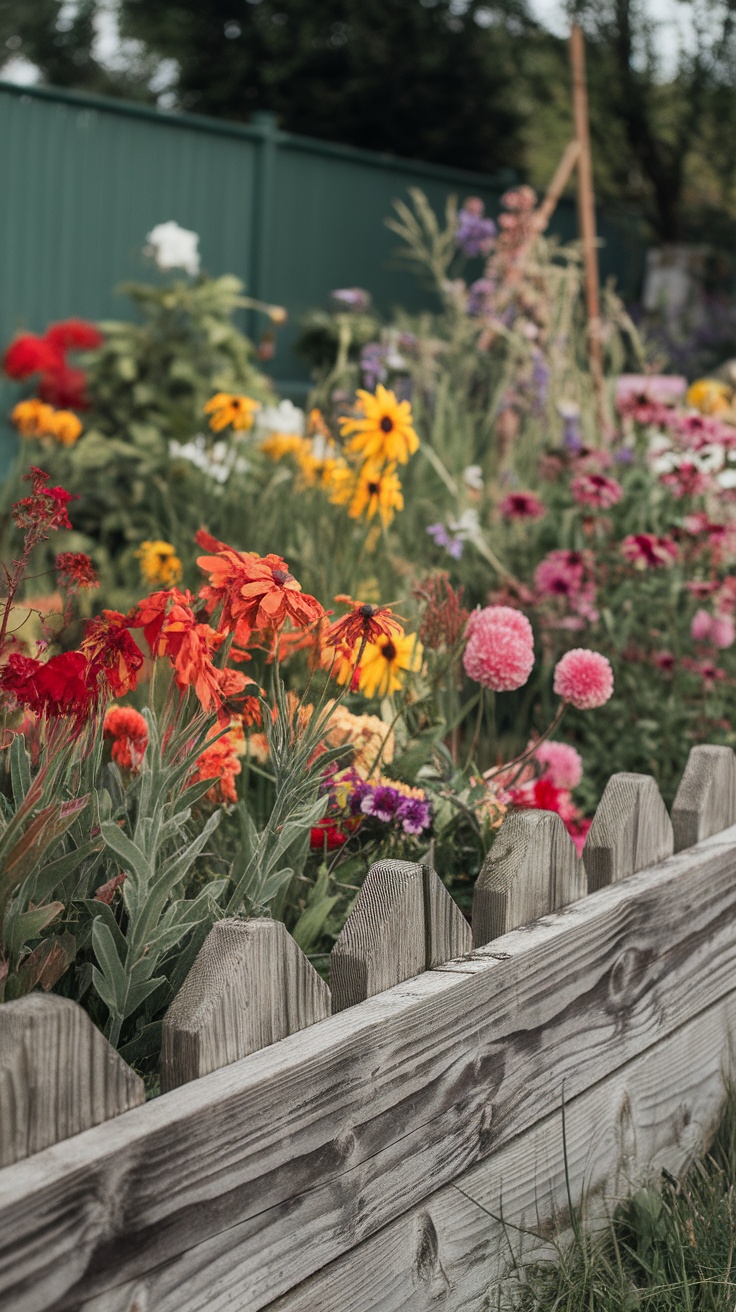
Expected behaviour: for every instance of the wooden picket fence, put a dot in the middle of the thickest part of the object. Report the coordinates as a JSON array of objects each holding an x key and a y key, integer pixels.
[{"x": 390, "y": 1155}]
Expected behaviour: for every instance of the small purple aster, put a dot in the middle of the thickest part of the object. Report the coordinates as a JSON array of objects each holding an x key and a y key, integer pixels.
[
  {"x": 474, "y": 233},
  {"x": 352, "y": 298},
  {"x": 415, "y": 815},
  {"x": 383, "y": 803},
  {"x": 442, "y": 536}
]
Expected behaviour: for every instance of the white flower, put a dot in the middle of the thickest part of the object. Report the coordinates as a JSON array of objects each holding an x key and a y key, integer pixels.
[
  {"x": 173, "y": 247},
  {"x": 727, "y": 478},
  {"x": 466, "y": 527},
  {"x": 283, "y": 418},
  {"x": 473, "y": 478}
]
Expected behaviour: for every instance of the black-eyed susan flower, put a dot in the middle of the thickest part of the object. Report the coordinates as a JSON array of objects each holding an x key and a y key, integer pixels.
[
  {"x": 385, "y": 432},
  {"x": 278, "y": 445},
  {"x": 228, "y": 410},
  {"x": 368, "y": 492},
  {"x": 159, "y": 563},
  {"x": 385, "y": 663}
]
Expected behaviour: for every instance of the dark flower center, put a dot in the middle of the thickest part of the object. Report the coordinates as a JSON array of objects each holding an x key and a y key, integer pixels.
[
  {"x": 387, "y": 424},
  {"x": 366, "y": 612},
  {"x": 280, "y": 575},
  {"x": 389, "y": 651},
  {"x": 374, "y": 489}
]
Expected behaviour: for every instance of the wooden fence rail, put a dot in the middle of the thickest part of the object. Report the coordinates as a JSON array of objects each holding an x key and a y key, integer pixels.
[{"x": 303, "y": 1160}]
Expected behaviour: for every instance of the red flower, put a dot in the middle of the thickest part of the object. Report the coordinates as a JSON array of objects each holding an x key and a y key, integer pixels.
[
  {"x": 43, "y": 511},
  {"x": 75, "y": 570},
  {"x": 130, "y": 733},
  {"x": 74, "y": 335},
  {"x": 326, "y": 832},
  {"x": 112, "y": 653},
  {"x": 64, "y": 387},
  {"x": 364, "y": 623},
  {"x": 30, "y": 354},
  {"x": 219, "y": 762},
  {"x": 55, "y": 687}
]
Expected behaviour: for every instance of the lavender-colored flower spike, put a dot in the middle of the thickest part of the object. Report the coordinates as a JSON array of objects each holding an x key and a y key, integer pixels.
[{"x": 474, "y": 233}]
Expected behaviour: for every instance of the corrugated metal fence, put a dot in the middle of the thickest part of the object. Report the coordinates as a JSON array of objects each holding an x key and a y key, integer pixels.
[{"x": 85, "y": 178}]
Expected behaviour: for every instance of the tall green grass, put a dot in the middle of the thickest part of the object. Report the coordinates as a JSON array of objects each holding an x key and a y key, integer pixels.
[{"x": 667, "y": 1249}]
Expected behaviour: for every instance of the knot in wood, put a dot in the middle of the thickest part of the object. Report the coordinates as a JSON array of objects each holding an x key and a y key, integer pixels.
[{"x": 627, "y": 979}]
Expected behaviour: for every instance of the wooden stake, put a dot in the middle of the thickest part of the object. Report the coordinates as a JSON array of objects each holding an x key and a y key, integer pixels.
[{"x": 586, "y": 211}]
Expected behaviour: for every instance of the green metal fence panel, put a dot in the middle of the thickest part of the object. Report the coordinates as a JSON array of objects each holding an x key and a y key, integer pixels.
[{"x": 85, "y": 178}]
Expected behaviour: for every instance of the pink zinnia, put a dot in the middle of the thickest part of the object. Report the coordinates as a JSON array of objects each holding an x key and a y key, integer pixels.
[
  {"x": 564, "y": 765},
  {"x": 664, "y": 660},
  {"x": 583, "y": 678},
  {"x": 700, "y": 626},
  {"x": 500, "y": 650},
  {"x": 646, "y": 397},
  {"x": 522, "y": 505},
  {"x": 596, "y": 490},
  {"x": 686, "y": 481},
  {"x": 646, "y": 549},
  {"x": 718, "y": 629}
]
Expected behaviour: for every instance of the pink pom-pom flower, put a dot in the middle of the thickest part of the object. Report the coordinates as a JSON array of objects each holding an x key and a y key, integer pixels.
[
  {"x": 563, "y": 765},
  {"x": 500, "y": 650},
  {"x": 583, "y": 678},
  {"x": 700, "y": 626}
]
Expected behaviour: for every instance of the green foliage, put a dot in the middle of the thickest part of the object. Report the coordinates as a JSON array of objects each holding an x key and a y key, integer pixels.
[{"x": 666, "y": 1250}]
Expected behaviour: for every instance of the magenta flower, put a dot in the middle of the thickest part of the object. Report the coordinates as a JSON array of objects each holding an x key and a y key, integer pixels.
[
  {"x": 596, "y": 490},
  {"x": 522, "y": 505},
  {"x": 584, "y": 679},
  {"x": 560, "y": 574},
  {"x": 646, "y": 550},
  {"x": 645, "y": 398}
]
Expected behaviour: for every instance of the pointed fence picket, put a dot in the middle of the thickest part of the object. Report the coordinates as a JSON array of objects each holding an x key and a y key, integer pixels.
[{"x": 357, "y": 1159}]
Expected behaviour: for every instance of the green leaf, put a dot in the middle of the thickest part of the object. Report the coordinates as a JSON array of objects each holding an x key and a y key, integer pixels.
[
  {"x": 20, "y": 768},
  {"x": 111, "y": 981},
  {"x": 27, "y": 925},
  {"x": 128, "y": 853}
]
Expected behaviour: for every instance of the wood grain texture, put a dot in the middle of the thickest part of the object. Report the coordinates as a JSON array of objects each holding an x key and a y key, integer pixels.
[
  {"x": 532, "y": 869},
  {"x": 631, "y": 831},
  {"x": 58, "y": 1075},
  {"x": 403, "y": 922},
  {"x": 706, "y": 799},
  {"x": 249, "y": 987},
  {"x": 246, "y": 1182},
  {"x": 659, "y": 1110}
]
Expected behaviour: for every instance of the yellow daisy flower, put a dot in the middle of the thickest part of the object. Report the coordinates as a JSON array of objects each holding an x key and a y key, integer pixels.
[
  {"x": 384, "y": 664},
  {"x": 278, "y": 445},
  {"x": 708, "y": 396},
  {"x": 368, "y": 492},
  {"x": 65, "y": 427},
  {"x": 385, "y": 433},
  {"x": 159, "y": 563},
  {"x": 32, "y": 418},
  {"x": 227, "y": 409}
]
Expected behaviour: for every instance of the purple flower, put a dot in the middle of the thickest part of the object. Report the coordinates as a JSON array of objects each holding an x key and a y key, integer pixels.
[
  {"x": 474, "y": 233},
  {"x": 383, "y": 803},
  {"x": 624, "y": 455},
  {"x": 352, "y": 298},
  {"x": 480, "y": 296},
  {"x": 373, "y": 364},
  {"x": 415, "y": 815},
  {"x": 539, "y": 380},
  {"x": 444, "y": 538}
]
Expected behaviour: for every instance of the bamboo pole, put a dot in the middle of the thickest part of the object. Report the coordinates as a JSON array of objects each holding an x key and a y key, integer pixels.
[{"x": 586, "y": 212}]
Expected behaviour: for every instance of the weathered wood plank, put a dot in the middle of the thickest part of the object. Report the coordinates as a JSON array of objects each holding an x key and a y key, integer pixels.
[
  {"x": 706, "y": 799},
  {"x": 265, "y": 1171},
  {"x": 403, "y": 922},
  {"x": 249, "y": 986},
  {"x": 58, "y": 1075},
  {"x": 659, "y": 1110},
  {"x": 631, "y": 831},
  {"x": 531, "y": 869}
]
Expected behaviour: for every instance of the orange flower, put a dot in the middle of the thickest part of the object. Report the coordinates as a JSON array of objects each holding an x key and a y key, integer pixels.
[
  {"x": 111, "y": 651},
  {"x": 364, "y": 623},
  {"x": 171, "y": 629},
  {"x": 129, "y": 730},
  {"x": 220, "y": 762},
  {"x": 257, "y": 593}
]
